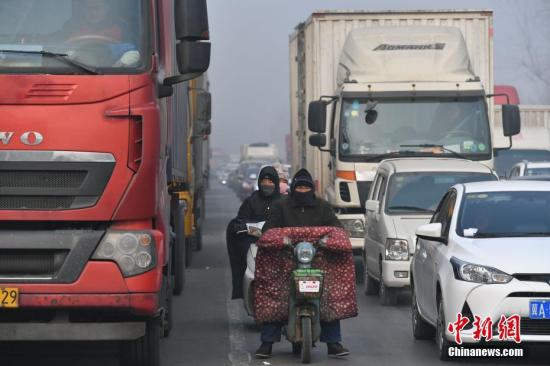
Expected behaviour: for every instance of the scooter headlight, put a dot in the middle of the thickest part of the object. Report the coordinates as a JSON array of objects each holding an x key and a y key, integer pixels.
[{"x": 305, "y": 252}]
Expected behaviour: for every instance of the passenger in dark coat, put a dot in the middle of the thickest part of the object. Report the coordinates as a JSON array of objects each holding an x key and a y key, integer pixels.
[
  {"x": 302, "y": 208},
  {"x": 254, "y": 209}
]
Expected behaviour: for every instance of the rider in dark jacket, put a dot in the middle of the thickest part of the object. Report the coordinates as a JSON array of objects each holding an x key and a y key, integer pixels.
[
  {"x": 254, "y": 209},
  {"x": 302, "y": 208}
]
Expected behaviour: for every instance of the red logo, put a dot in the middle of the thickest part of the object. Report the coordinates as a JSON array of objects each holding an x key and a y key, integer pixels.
[{"x": 509, "y": 328}]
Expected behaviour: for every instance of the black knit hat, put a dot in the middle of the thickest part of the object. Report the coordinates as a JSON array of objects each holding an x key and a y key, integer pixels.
[{"x": 302, "y": 178}]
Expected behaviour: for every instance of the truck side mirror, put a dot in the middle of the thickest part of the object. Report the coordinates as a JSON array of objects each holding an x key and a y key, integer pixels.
[
  {"x": 318, "y": 140},
  {"x": 511, "y": 120},
  {"x": 204, "y": 106},
  {"x": 317, "y": 117},
  {"x": 193, "y": 56},
  {"x": 205, "y": 128},
  {"x": 191, "y": 18}
]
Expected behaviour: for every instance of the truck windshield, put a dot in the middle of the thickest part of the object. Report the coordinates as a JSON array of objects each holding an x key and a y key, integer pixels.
[
  {"x": 73, "y": 36},
  {"x": 419, "y": 126},
  {"x": 420, "y": 193}
]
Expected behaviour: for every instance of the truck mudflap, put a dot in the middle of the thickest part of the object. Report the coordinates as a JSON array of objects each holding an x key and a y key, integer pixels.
[{"x": 59, "y": 331}]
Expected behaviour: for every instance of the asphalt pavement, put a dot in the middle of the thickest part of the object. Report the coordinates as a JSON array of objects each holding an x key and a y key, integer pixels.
[{"x": 210, "y": 329}]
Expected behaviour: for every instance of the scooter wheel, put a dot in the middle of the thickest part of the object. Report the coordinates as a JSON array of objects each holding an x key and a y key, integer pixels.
[{"x": 307, "y": 343}]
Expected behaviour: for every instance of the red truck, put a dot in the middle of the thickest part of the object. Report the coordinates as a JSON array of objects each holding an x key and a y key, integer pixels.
[{"x": 90, "y": 92}]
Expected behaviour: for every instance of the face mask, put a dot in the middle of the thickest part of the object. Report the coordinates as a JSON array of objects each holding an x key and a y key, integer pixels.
[
  {"x": 267, "y": 190},
  {"x": 283, "y": 188},
  {"x": 303, "y": 198}
]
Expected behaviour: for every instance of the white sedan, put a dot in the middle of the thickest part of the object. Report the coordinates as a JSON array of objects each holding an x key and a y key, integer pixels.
[{"x": 484, "y": 257}]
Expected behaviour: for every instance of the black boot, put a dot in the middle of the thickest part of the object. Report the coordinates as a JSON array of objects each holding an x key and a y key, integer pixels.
[
  {"x": 337, "y": 350},
  {"x": 264, "y": 351}
]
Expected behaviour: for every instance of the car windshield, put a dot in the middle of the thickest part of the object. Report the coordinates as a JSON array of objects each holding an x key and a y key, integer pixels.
[
  {"x": 72, "y": 36},
  {"x": 537, "y": 171},
  {"x": 419, "y": 126},
  {"x": 505, "y": 214},
  {"x": 506, "y": 159},
  {"x": 420, "y": 193}
]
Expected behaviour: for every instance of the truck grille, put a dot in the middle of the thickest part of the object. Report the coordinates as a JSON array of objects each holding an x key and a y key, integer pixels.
[
  {"x": 35, "y": 202},
  {"x": 52, "y": 180},
  {"x": 30, "y": 263},
  {"x": 535, "y": 326},
  {"x": 41, "y": 179}
]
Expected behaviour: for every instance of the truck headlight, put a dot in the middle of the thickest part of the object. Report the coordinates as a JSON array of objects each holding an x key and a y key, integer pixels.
[
  {"x": 304, "y": 252},
  {"x": 355, "y": 227},
  {"x": 476, "y": 273},
  {"x": 133, "y": 252},
  {"x": 397, "y": 250}
]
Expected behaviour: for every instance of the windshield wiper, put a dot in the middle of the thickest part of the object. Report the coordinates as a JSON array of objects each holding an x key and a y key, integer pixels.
[
  {"x": 410, "y": 208},
  {"x": 458, "y": 155},
  {"x": 391, "y": 154},
  {"x": 63, "y": 57}
]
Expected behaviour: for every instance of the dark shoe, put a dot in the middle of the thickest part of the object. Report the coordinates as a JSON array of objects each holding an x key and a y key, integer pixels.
[
  {"x": 337, "y": 350},
  {"x": 264, "y": 351}
]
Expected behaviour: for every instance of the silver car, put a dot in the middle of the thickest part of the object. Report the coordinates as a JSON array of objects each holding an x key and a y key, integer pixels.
[{"x": 404, "y": 195}]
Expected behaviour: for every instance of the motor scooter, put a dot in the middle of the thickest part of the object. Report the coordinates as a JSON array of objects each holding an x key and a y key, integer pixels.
[{"x": 303, "y": 329}]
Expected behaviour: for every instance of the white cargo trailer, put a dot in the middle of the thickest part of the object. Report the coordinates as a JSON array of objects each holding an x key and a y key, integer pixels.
[{"x": 392, "y": 61}]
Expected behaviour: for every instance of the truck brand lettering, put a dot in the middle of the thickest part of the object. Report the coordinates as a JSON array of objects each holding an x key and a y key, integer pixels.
[
  {"x": 413, "y": 47},
  {"x": 5, "y": 137},
  {"x": 32, "y": 138}
]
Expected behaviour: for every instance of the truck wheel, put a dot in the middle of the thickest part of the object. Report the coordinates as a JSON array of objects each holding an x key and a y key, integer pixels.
[
  {"x": 188, "y": 250},
  {"x": 388, "y": 295},
  {"x": 421, "y": 328},
  {"x": 180, "y": 255},
  {"x": 144, "y": 351},
  {"x": 198, "y": 239},
  {"x": 306, "y": 340},
  {"x": 168, "y": 315}
]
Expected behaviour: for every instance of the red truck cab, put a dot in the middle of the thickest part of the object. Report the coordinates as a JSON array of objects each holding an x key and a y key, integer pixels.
[{"x": 86, "y": 115}]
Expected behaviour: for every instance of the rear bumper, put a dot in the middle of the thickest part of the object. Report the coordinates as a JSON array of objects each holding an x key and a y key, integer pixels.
[{"x": 72, "y": 331}]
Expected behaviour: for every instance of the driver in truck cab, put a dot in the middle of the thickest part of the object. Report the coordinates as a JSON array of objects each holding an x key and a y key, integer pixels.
[{"x": 99, "y": 35}]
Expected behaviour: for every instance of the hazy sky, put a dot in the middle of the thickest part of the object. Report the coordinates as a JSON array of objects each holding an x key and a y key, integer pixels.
[{"x": 249, "y": 71}]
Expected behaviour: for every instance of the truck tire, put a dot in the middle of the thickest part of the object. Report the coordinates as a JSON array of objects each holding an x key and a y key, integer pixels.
[
  {"x": 189, "y": 250},
  {"x": 198, "y": 239},
  {"x": 168, "y": 314},
  {"x": 144, "y": 351},
  {"x": 180, "y": 255}
]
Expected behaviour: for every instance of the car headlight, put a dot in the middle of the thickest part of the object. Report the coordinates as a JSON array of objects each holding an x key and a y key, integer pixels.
[
  {"x": 397, "y": 250},
  {"x": 477, "y": 273},
  {"x": 355, "y": 227},
  {"x": 134, "y": 252},
  {"x": 304, "y": 252}
]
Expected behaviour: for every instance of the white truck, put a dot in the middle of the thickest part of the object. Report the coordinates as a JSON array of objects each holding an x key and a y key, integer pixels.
[
  {"x": 396, "y": 84},
  {"x": 260, "y": 151}
]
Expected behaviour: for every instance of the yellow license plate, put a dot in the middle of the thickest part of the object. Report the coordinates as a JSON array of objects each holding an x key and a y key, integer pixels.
[{"x": 9, "y": 297}]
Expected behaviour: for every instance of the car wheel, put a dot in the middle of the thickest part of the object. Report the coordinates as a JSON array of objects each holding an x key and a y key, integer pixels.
[
  {"x": 421, "y": 328},
  {"x": 442, "y": 343},
  {"x": 371, "y": 285},
  {"x": 388, "y": 295}
]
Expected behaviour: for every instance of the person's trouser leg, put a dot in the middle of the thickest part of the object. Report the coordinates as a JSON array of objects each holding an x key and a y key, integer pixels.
[
  {"x": 331, "y": 332},
  {"x": 271, "y": 332}
]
